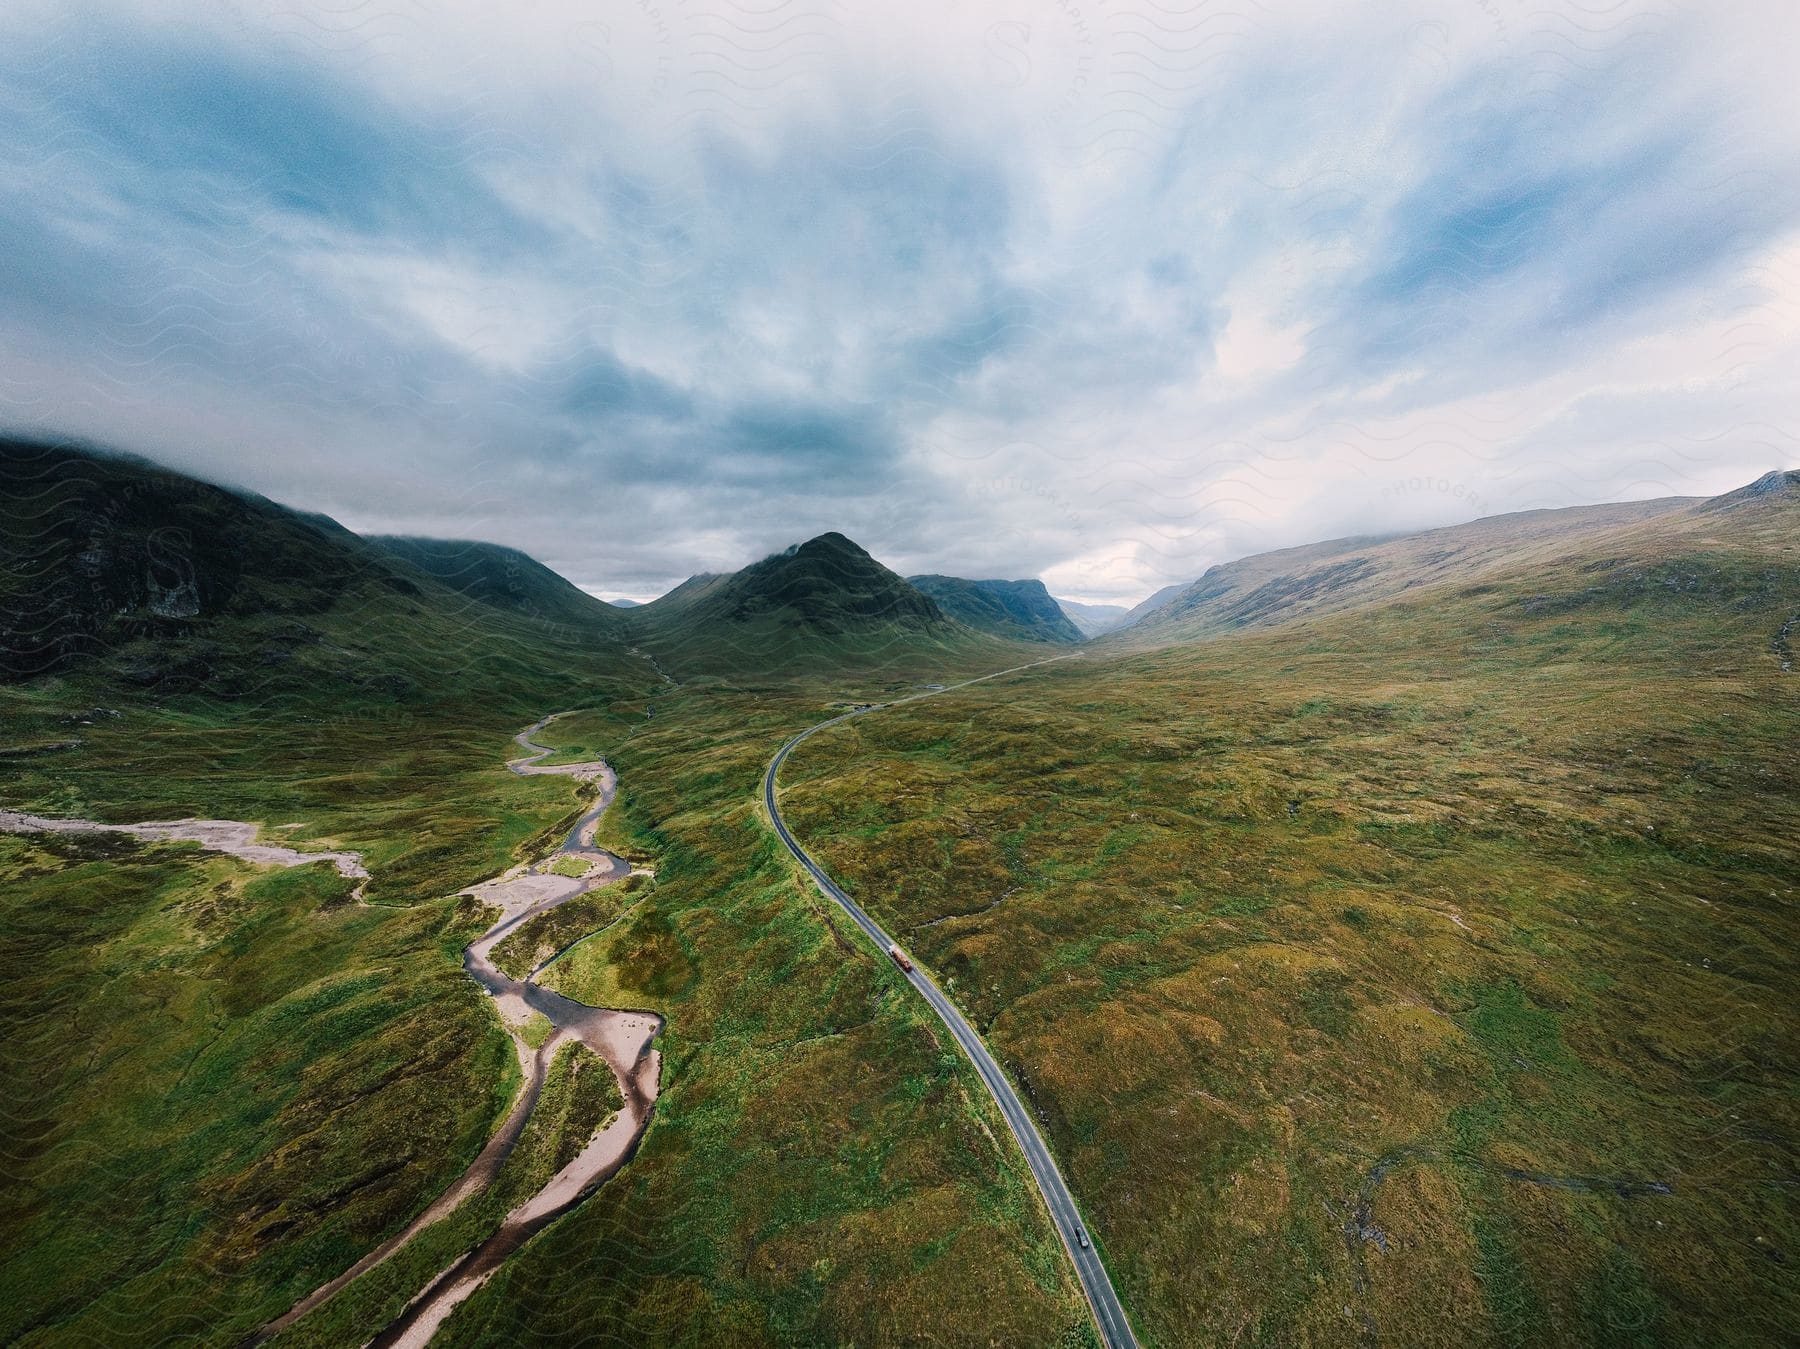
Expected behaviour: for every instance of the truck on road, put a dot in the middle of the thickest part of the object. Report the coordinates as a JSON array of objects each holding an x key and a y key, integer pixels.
[{"x": 900, "y": 958}]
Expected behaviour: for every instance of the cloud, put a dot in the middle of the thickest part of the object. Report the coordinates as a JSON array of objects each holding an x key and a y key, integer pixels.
[
  {"x": 1528, "y": 227},
  {"x": 1003, "y": 290}
]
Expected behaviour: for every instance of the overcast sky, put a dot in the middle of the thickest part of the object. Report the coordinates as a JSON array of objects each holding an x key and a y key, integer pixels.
[{"x": 1103, "y": 293}]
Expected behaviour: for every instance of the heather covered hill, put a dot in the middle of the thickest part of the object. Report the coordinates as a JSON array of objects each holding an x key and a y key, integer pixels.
[
  {"x": 1322, "y": 578},
  {"x": 1429, "y": 958}
]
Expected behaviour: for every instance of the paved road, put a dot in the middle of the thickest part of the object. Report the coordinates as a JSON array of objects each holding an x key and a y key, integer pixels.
[{"x": 1109, "y": 1314}]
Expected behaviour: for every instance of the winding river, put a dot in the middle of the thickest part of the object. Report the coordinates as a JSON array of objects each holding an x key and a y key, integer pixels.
[{"x": 623, "y": 1038}]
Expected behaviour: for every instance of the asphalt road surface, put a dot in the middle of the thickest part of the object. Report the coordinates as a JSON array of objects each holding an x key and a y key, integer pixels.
[{"x": 1109, "y": 1314}]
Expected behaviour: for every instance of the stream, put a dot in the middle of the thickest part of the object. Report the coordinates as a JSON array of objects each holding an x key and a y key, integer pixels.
[{"x": 623, "y": 1038}]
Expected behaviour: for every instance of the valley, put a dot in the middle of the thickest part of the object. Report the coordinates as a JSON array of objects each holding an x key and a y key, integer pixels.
[
  {"x": 950, "y": 676},
  {"x": 1387, "y": 943}
]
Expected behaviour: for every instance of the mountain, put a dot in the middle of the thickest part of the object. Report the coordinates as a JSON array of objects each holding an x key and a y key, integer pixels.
[
  {"x": 684, "y": 595},
  {"x": 503, "y": 577},
  {"x": 1017, "y": 609},
  {"x": 827, "y": 583},
  {"x": 822, "y": 600},
  {"x": 1273, "y": 588},
  {"x": 137, "y": 577},
  {"x": 626, "y": 604},
  {"x": 1777, "y": 488},
  {"x": 131, "y": 575},
  {"x": 1093, "y": 619},
  {"x": 1137, "y": 613}
]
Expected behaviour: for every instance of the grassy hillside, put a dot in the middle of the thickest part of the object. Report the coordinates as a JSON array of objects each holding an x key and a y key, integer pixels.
[
  {"x": 219, "y": 1078},
  {"x": 128, "y": 576},
  {"x": 113, "y": 559},
  {"x": 1420, "y": 973},
  {"x": 177, "y": 648},
  {"x": 1322, "y": 578},
  {"x": 504, "y": 578},
  {"x": 1018, "y": 609},
  {"x": 1138, "y": 612}
]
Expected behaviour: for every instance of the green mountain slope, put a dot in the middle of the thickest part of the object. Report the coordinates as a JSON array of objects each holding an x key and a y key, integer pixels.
[
  {"x": 112, "y": 557},
  {"x": 1322, "y": 578},
  {"x": 504, "y": 578},
  {"x": 818, "y": 604},
  {"x": 1017, "y": 609},
  {"x": 1138, "y": 612},
  {"x": 140, "y": 581}
]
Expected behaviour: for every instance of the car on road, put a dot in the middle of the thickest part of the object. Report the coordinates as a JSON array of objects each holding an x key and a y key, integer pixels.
[{"x": 900, "y": 958}]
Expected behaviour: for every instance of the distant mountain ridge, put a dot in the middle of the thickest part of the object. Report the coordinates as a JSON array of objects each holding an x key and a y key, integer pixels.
[
  {"x": 1019, "y": 609},
  {"x": 1142, "y": 610},
  {"x": 113, "y": 566},
  {"x": 174, "y": 583},
  {"x": 1268, "y": 589},
  {"x": 1093, "y": 619}
]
